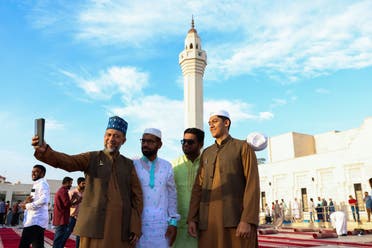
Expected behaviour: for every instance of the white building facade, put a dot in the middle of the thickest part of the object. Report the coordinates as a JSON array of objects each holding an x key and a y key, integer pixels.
[
  {"x": 18, "y": 191},
  {"x": 329, "y": 165}
]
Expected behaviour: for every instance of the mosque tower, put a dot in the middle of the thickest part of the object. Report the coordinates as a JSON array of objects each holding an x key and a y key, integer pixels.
[{"x": 193, "y": 61}]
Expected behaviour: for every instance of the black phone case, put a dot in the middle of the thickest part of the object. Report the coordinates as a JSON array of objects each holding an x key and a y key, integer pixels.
[{"x": 39, "y": 130}]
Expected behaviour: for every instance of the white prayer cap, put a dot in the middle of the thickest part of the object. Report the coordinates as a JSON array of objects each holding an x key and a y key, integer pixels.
[
  {"x": 220, "y": 112},
  {"x": 153, "y": 131},
  {"x": 258, "y": 141}
]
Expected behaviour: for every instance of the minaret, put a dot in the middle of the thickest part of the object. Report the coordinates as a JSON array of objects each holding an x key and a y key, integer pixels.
[{"x": 193, "y": 61}]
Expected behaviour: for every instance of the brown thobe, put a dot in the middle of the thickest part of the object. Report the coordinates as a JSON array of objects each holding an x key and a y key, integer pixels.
[
  {"x": 112, "y": 204},
  {"x": 226, "y": 191},
  {"x": 112, "y": 236}
]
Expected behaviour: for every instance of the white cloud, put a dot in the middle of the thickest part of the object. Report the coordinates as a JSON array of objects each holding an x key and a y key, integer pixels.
[
  {"x": 238, "y": 110},
  {"x": 313, "y": 38},
  {"x": 155, "y": 111},
  {"x": 133, "y": 23},
  {"x": 126, "y": 81}
]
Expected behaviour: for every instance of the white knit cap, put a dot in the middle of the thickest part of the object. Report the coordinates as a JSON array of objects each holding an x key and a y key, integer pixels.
[
  {"x": 153, "y": 131},
  {"x": 258, "y": 141},
  {"x": 220, "y": 112}
]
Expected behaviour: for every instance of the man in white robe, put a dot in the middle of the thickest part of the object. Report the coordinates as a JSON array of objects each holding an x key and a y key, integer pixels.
[
  {"x": 295, "y": 210},
  {"x": 339, "y": 222},
  {"x": 159, "y": 216}
]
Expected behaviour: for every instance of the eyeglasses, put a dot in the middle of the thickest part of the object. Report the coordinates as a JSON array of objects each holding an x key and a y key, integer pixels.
[
  {"x": 187, "y": 141},
  {"x": 149, "y": 141}
]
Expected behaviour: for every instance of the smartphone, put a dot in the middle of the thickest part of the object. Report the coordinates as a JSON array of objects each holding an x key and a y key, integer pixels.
[{"x": 39, "y": 130}]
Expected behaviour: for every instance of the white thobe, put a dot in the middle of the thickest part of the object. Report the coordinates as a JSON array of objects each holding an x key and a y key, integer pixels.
[
  {"x": 295, "y": 210},
  {"x": 339, "y": 222},
  {"x": 159, "y": 202},
  {"x": 36, "y": 212}
]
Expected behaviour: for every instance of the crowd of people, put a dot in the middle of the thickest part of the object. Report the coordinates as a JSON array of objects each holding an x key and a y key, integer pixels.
[
  {"x": 320, "y": 210},
  {"x": 10, "y": 215},
  {"x": 205, "y": 198}
]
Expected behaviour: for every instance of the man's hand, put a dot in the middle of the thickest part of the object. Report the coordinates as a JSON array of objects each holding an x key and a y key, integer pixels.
[
  {"x": 35, "y": 142},
  {"x": 244, "y": 229},
  {"x": 27, "y": 200},
  {"x": 192, "y": 230},
  {"x": 133, "y": 238},
  {"x": 22, "y": 205},
  {"x": 171, "y": 234}
]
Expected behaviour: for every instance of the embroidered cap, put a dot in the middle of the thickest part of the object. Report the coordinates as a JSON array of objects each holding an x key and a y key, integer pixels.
[
  {"x": 154, "y": 131},
  {"x": 220, "y": 112},
  {"x": 258, "y": 141},
  {"x": 117, "y": 123}
]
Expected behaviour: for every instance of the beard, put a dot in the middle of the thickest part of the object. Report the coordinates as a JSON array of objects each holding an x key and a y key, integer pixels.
[
  {"x": 36, "y": 178},
  {"x": 112, "y": 149},
  {"x": 149, "y": 153}
]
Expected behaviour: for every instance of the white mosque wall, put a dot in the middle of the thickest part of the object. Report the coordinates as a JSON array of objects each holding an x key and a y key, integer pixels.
[{"x": 330, "y": 165}]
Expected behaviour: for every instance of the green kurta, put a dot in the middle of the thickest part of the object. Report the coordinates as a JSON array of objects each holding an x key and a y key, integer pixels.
[{"x": 184, "y": 175}]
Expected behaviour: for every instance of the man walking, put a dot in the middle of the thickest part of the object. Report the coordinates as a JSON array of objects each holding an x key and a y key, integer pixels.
[
  {"x": 224, "y": 204},
  {"x": 159, "y": 219},
  {"x": 185, "y": 169},
  {"x": 110, "y": 213},
  {"x": 61, "y": 212},
  {"x": 36, "y": 210}
]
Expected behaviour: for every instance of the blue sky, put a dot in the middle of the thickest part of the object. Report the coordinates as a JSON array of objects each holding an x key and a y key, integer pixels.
[{"x": 276, "y": 66}]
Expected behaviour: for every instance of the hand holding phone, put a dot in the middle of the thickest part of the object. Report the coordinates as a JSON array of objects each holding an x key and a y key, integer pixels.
[{"x": 39, "y": 130}]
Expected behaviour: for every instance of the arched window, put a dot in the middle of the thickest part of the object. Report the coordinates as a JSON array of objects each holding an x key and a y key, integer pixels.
[
  {"x": 190, "y": 45},
  {"x": 197, "y": 46}
]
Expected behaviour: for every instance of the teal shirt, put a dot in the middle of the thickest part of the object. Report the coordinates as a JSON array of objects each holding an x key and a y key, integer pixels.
[{"x": 184, "y": 175}]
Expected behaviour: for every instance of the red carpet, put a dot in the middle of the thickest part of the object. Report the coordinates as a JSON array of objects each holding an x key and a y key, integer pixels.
[
  {"x": 9, "y": 238},
  {"x": 304, "y": 242},
  {"x": 304, "y": 238},
  {"x": 325, "y": 235},
  {"x": 50, "y": 235}
]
